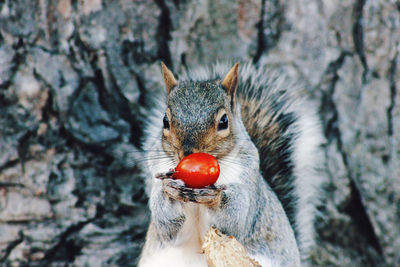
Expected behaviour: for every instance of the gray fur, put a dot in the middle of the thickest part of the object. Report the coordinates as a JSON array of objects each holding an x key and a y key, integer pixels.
[
  {"x": 248, "y": 208},
  {"x": 261, "y": 90}
]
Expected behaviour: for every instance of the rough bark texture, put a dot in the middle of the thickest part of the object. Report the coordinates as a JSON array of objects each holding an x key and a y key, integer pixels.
[{"x": 77, "y": 75}]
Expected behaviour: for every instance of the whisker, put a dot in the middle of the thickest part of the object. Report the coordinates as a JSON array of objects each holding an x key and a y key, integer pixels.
[
  {"x": 162, "y": 166},
  {"x": 149, "y": 150},
  {"x": 160, "y": 161},
  {"x": 153, "y": 159},
  {"x": 235, "y": 168},
  {"x": 224, "y": 177},
  {"x": 165, "y": 167},
  {"x": 236, "y": 162}
]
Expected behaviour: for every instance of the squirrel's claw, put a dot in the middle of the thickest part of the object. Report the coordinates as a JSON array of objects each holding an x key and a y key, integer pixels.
[
  {"x": 165, "y": 175},
  {"x": 177, "y": 190}
]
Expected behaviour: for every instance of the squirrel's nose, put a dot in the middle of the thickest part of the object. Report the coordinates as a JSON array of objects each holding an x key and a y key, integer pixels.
[
  {"x": 183, "y": 153},
  {"x": 187, "y": 152}
]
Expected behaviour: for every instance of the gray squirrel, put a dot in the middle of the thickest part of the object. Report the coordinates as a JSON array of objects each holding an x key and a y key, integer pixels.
[{"x": 267, "y": 139}]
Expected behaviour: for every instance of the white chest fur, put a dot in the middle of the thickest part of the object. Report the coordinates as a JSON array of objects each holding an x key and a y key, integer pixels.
[
  {"x": 197, "y": 222},
  {"x": 186, "y": 249},
  {"x": 175, "y": 257}
]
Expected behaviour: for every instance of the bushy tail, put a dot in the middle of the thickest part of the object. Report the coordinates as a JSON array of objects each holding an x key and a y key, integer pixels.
[{"x": 283, "y": 125}]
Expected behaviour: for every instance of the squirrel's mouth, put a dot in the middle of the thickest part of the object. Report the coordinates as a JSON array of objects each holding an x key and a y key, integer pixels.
[
  {"x": 186, "y": 152},
  {"x": 181, "y": 154}
]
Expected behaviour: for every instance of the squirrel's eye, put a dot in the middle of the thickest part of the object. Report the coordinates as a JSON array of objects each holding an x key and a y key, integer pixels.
[
  {"x": 223, "y": 123},
  {"x": 166, "y": 122}
]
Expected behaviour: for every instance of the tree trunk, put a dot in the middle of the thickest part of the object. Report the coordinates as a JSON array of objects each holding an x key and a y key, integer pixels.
[{"x": 76, "y": 78}]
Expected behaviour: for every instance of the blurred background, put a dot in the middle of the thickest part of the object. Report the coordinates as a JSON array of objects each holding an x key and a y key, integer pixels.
[{"x": 77, "y": 77}]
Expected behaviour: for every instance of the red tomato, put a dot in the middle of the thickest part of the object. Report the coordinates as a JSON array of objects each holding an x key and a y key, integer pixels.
[{"x": 197, "y": 170}]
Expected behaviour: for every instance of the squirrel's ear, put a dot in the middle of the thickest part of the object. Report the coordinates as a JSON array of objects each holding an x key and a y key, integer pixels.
[
  {"x": 231, "y": 82},
  {"x": 169, "y": 78}
]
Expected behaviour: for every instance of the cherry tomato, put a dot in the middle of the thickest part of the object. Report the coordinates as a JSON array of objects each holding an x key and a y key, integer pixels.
[{"x": 197, "y": 170}]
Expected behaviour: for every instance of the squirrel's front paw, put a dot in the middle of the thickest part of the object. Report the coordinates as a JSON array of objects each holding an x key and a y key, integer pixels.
[{"x": 177, "y": 190}]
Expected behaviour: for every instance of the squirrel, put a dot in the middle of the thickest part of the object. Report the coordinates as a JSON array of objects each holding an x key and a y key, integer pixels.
[{"x": 267, "y": 138}]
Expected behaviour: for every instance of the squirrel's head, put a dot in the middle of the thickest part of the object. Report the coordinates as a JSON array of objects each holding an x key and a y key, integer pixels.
[{"x": 199, "y": 115}]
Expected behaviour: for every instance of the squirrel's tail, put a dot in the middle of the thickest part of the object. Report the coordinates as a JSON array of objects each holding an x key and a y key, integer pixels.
[{"x": 285, "y": 128}]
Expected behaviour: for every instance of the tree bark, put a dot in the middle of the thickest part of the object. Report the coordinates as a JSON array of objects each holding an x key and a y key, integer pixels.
[{"x": 76, "y": 78}]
